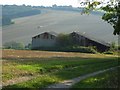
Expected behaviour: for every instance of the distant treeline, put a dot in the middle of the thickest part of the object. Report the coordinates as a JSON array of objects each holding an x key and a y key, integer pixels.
[
  {"x": 70, "y": 8},
  {"x": 10, "y": 12},
  {"x": 6, "y": 21}
]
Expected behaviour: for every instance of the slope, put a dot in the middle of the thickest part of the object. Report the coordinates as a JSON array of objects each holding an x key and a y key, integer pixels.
[{"x": 60, "y": 22}]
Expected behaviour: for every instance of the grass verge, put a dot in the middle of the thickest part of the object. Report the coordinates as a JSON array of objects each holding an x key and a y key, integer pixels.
[{"x": 109, "y": 79}]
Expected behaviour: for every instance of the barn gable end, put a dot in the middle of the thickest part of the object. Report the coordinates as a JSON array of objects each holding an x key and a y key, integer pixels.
[{"x": 46, "y": 39}]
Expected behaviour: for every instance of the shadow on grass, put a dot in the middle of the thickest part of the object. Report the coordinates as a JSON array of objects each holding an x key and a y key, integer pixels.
[
  {"x": 109, "y": 79},
  {"x": 73, "y": 67}
]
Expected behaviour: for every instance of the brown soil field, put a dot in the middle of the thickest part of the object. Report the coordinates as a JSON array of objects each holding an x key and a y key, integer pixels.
[{"x": 32, "y": 54}]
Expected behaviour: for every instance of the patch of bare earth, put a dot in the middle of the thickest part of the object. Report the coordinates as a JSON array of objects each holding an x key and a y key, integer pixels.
[
  {"x": 31, "y": 54},
  {"x": 17, "y": 80}
]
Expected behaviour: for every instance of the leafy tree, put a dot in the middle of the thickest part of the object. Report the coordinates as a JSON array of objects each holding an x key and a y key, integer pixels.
[
  {"x": 6, "y": 21},
  {"x": 13, "y": 45},
  {"x": 112, "y": 9},
  {"x": 64, "y": 40},
  {"x": 113, "y": 45},
  {"x": 29, "y": 46}
]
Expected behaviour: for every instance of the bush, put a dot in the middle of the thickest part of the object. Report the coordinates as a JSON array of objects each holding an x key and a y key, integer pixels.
[
  {"x": 13, "y": 45},
  {"x": 108, "y": 52},
  {"x": 81, "y": 49},
  {"x": 29, "y": 46},
  {"x": 119, "y": 48},
  {"x": 114, "y": 47},
  {"x": 64, "y": 40}
]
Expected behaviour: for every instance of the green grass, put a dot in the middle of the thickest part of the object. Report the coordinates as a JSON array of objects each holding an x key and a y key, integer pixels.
[
  {"x": 84, "y": 69},
  {"x": 40, "y": 82},
  {"x": 108, "y": 79},
  {"x": 52, "y": 70},
  {"x": 31, "y": 68},
  {"x": 18, "y": 68}
]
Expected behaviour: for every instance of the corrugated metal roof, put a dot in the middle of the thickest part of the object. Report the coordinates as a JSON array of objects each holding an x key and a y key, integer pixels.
[
  {"x": 51, "y": 32},
  {"x": 93, "y": 39},
  {"x": 79, "y": 33}
]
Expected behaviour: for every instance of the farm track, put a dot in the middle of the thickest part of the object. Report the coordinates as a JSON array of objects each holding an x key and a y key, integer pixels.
[
  {"x": 37, "y": 55},
  {"x": 26, "y": 78},
  {"x": 69, "y": 83}
]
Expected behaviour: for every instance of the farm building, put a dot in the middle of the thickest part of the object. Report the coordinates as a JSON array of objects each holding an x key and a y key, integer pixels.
[
  {"x": 48, "y": 39},
  {"x": 83, "y": 39}
]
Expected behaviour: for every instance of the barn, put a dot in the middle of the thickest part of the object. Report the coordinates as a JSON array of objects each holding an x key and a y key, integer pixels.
[
  {"x": 48, "y": 39},
  {"x": 45, "y": 39},
  {"x": 83, "y": 39}
]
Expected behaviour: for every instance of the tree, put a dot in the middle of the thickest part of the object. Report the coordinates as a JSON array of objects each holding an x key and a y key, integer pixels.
[
  {"x": 6, "y": 21},
  {"x": 112, "y": 10},
  {"x": 29, "y": 46},
  {"x": 13, "y": 45},
  {"x": 64, "y": 40}
]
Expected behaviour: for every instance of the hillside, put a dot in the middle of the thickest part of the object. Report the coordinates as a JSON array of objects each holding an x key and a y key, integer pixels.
[
  {"x": 59, "y": 21},
  {"x": 14, "y": 11},
  {"x": 10, "y": 12}
]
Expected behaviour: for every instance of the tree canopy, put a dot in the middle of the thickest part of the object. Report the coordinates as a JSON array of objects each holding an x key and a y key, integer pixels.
[
  {"x": 111, "y": 8},
  {"x": 13, "y": 45}
]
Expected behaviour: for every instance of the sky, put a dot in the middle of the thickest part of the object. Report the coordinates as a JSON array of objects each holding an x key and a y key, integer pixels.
[{"x": 74, "y": 3}]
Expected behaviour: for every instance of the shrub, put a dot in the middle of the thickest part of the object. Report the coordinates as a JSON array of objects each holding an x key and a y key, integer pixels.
[
  {"x": 108, "y": 52},
  {"x": 42, "y": 70},
  {"x": 81, "y": 49},
  {"x": 114, "y": 47},
  {"x": 64, "y": 40},
  {"x": 29, "y": 46},
  {"x": 6, "y": 21},
  {"x": 13, "y": 45}
]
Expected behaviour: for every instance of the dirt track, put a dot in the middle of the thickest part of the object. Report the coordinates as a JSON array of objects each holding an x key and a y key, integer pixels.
[{"x": 69, "y": 83}]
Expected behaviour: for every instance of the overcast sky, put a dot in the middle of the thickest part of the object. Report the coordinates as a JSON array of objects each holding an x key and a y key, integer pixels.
[{"x": 74, "y": 3}]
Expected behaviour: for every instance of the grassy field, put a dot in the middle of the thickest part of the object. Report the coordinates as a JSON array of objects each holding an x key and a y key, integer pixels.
[
  {"x": 109, "y": 79},
  {"x": 50, "y": 69}
]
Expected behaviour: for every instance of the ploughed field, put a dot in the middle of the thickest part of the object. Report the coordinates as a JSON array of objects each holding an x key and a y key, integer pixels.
[
  {"x": 32, "y": 54},
  {"x": 47, "y": 68}
]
